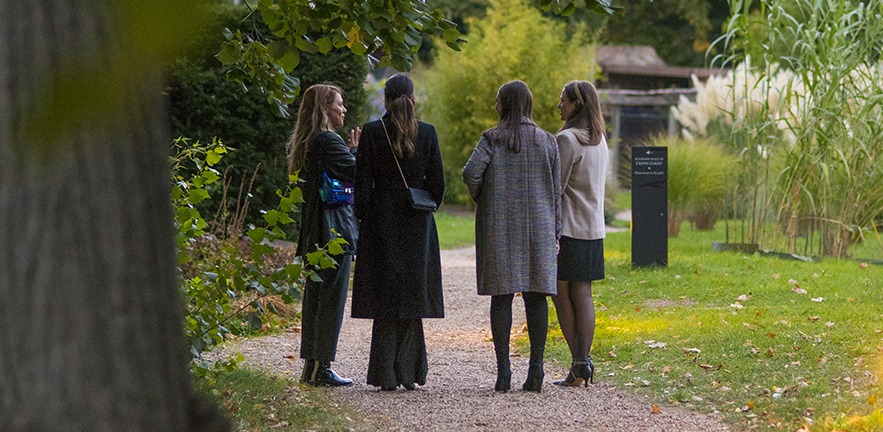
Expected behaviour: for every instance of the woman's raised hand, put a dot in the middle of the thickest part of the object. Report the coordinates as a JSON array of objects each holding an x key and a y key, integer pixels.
[{"x": 352, "y": 141}]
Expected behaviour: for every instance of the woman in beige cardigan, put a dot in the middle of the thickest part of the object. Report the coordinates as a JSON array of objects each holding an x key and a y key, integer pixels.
[{"x": 583, "y": 151}]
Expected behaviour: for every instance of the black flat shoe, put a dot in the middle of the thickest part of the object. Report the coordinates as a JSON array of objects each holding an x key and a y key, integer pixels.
[
  {"x": 387, "y": 388},
  {"x": 409, "y": 386},
  {"x": 326, "y": 377}
]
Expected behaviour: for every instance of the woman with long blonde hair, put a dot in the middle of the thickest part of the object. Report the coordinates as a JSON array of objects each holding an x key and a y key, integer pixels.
[{"x": 313, "y": 151}]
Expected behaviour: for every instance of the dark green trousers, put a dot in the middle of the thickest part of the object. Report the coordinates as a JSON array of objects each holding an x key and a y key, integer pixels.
[{"x": 322, "y": 312}]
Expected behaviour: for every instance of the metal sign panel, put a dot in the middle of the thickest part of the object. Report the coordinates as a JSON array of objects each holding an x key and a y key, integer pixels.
[{"x": 649, "y": 206}]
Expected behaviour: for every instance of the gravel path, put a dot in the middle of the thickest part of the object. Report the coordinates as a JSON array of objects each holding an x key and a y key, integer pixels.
[{"x": 459, "y": 391}]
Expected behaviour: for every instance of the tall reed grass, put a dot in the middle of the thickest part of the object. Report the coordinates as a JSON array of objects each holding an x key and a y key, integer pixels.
[{"x": 802, "y": 109}]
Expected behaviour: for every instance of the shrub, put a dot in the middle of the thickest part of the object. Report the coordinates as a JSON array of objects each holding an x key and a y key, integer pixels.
[
  {"x": 698, "y": 173},
  {"x": 514, "y": 41}
]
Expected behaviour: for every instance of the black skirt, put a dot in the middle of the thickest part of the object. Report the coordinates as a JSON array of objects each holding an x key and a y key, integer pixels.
[{"x": 580, "y": 260}]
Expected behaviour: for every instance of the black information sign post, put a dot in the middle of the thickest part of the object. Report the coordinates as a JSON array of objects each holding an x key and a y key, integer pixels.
[{"x": 649, "y": 206}]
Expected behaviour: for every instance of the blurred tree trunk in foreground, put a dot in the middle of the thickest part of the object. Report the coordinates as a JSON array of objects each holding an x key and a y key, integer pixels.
[{"x": 90, "y": 309}]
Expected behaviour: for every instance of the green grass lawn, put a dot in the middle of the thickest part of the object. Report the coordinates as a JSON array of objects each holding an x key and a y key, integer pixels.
[
  {"x": 456, "y": 228},
  {"x": 256, "y": 401},
  {"x": 766, "y": 342}
]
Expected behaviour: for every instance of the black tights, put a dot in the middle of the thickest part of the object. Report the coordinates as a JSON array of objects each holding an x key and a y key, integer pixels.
[{"x": 537, "y": 311}]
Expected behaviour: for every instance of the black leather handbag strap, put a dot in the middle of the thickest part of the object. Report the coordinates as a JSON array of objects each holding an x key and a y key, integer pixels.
[{"x": 394, "y": 154}]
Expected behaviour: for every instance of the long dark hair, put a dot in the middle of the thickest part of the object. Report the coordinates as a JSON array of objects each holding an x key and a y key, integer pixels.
[
  {"x": 516, "y": 109},
  {"x": 312, "y": 118},
  {"x": 586, "y": 114},
  {"x": 400, "y": 105}
]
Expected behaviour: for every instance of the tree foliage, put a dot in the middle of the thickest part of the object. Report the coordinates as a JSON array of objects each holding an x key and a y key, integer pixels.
[
  {"x": 514, "y": 41},
  {"x": 681, "y": 31},
  {"x": 392, "y": 27}
]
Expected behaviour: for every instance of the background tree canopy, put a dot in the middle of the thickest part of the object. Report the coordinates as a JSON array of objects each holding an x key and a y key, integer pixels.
[
  {"x": 513, "y": 41},
  {"x": 680, "y": 30}
]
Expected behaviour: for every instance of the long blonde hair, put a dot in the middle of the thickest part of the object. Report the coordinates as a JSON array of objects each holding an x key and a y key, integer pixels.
[
  {"x": 586, "y": 115},
  {"x": 312, "y": 118}
]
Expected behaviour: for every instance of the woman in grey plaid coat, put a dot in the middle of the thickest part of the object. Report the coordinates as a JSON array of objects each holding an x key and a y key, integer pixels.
[{"x": 513, "y": 176}]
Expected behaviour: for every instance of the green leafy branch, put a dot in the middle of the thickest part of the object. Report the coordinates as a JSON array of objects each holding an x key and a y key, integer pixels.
[{"x": 225, "y": 279}]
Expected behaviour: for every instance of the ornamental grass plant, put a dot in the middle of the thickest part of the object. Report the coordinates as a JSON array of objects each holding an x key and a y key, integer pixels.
[{"x": 698, "y": 174}]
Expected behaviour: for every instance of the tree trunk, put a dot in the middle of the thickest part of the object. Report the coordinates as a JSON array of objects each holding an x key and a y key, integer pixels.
[{"x": 90, "y": 308}]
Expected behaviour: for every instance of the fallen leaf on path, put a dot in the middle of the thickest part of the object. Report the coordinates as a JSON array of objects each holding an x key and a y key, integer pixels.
[
  {"x": 742, "y": 297},
  {"x": 736, "y": 305},
  {"x": 813, "y": 318},
  {"x": 692, "y": 350},
  {"x": 799, "y": 290},
  {"x": 818, "y": 299},
  {"x": 655, "y": 409}
]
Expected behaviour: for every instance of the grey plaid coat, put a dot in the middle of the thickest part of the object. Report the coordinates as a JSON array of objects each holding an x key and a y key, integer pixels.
[{"x": 518, "y": 214}]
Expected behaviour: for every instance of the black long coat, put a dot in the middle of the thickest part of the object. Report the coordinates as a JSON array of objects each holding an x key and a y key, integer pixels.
[
  {"x": 398, "y": 267},
  {"x": 326, "y": 153}
]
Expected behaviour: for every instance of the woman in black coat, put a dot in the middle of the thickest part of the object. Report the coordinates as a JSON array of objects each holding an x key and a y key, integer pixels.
[
  {"x": 315, "y": 149},
  {"x": 398, "y": 270}
]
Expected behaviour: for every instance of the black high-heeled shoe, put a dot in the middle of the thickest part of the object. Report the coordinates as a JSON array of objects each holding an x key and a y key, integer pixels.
[
  {"x": 535, "y": 375},
  {"x": 504, "y": 380},
  {"x": 591, "y": 368},
  {"x": 581, "y": 372}
]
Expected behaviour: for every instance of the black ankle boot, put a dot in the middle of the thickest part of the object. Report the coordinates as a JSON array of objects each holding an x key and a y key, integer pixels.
[
  {"x": 323, "y": 375},
  {"x": 309, "y": 365},
  {"x": 535, "y": 377},
  {"x": 504, "y": 379}
]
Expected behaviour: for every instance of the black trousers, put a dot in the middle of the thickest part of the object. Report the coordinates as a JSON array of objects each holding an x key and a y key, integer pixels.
[
  {"x": 398, "y": 353},
  {"x": 322, "y": 312}
]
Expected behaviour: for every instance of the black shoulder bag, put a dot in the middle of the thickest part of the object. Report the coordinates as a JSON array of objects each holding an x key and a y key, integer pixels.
[{"x": 421, "y": 199}]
